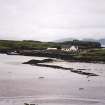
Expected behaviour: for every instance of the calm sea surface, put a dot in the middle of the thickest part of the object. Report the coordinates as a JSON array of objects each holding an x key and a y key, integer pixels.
[{"x": 21, "y": 83}]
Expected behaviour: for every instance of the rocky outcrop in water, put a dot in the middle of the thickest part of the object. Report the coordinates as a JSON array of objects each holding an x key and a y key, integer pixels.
[
  {"x": 38, "y": 61},
  {"x": 41, "y": 64}
]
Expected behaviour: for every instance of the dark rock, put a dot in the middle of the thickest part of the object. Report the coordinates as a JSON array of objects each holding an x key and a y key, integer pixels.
[
  {"x": 81, "y": 69},
  {"x": 29, "y": 104},
  {"x": 41, "y": 77},
  {"x": 26, "y": 104},
  {"x": 81, "y": 88},
  {"x": 84, "y": 73},
  {"x": 38, "y": 61}
]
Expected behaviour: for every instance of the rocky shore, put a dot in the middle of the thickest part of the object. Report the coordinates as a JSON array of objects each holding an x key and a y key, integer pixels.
[
  {"x": 89, "y": 56},
  {"x": 41, "y": 64}
]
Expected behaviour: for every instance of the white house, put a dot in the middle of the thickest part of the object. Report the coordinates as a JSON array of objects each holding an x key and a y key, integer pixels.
[
  {"x": 71, "y": 49},
  {"x": 51, "y": 48}
]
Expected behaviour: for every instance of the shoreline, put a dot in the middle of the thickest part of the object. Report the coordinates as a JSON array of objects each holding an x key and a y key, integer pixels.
[
  {"x": 23, "y": 80},
  {"x": 40, "y": 63},
  {"x": 66, "y": 56}
]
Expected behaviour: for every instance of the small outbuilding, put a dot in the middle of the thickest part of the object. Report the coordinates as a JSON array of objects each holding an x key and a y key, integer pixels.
[{"x": 51, "y": 48}]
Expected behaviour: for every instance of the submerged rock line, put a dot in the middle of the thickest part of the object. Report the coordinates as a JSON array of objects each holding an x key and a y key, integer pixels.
[{"x": 41, "y": 64}]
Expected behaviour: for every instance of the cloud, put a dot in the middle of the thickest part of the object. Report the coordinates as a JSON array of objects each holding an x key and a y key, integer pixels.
[{"x": 51, "y": 19}]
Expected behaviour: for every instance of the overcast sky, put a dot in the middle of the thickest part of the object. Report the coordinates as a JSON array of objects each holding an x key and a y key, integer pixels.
[{"x": 48, "y": 20}]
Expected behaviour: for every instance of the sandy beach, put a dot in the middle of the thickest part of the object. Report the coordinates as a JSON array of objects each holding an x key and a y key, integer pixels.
[{"x": 21, "y": 84}]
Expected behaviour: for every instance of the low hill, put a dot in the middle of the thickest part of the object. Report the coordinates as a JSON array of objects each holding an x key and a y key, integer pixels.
[
  {"x": 65, "y": 39},
  {"x": 102, "y": 40},
  {"x": 37, "y": 45}
]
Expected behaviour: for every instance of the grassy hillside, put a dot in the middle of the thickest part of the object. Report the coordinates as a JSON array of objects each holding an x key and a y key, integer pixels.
[
  {"x": 82, "y": 44},
  {"x": 88, "y": 51},
  {"x": 25, "y": 44},
  {"x": 91, "y": 55},
  {"x": 28, "y": 44}
]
